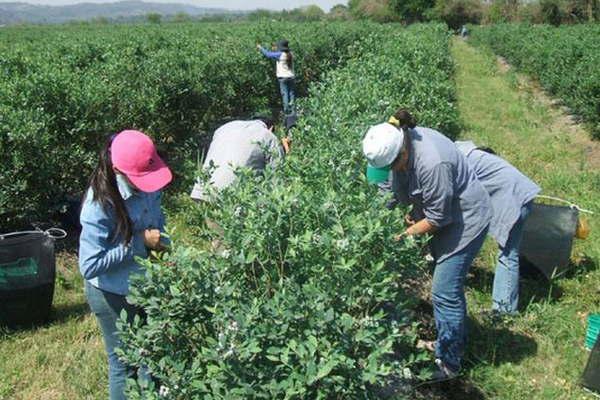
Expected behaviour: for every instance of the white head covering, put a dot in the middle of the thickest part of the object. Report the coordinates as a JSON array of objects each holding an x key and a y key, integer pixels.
[{"x": 382, "y": 144}]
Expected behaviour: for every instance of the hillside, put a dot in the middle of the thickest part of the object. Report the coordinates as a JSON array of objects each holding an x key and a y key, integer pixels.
[{"x": 12, "y": 13}]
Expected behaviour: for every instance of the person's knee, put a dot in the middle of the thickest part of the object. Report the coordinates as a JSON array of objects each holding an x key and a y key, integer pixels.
[{"x": 447, "y": 298}]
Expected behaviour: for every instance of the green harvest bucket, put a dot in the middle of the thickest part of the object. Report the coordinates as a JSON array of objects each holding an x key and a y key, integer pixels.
[{"x": 593, "y": 330}]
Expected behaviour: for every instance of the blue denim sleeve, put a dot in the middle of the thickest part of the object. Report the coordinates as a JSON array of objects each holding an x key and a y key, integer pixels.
[
  {"x": 270, "y": 54},
  {"x": 438, "y": 194},
  {"x": 97, "y": 252},
  {"x": 161, "y": 220}
]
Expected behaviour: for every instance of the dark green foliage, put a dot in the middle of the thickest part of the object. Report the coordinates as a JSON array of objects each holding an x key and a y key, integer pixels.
[
  {"x": 564, "y": 59},
  {"x": 411, "y": 10},
  {"x": 551, "y": 12},
  {"x": 456, "y": 13},
  {"x": 64, "y": 89},
  {"x": 305, "y": 296}
]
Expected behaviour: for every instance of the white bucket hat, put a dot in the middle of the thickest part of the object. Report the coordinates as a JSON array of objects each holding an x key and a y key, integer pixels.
[{"x": 381, "y": 146}]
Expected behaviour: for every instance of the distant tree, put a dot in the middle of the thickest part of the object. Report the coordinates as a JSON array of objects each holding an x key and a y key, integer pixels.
[
  {"x": 339, "y": 11},
  {"x": 456, "y": 13},
  {"x": 378, "y": 10},
  {"x": 411, "y": 10},
  {"x": 154, "y": 18},
  {"x": 312, "y": 12},
  {"x": 100, "y": 20},
  {"x": 551, "y": 12},
  {"x": 581, "y": 10},
  {"x": 501, "y": 11},
  {"x": 260, "y": 14},
  {"x": 182, "y": 17}
]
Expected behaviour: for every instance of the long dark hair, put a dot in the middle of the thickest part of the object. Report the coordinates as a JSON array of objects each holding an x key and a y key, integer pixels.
[
  {"x": 283, "y": 46},
  {"x": 289, "y": 60},
  {"x": 106, "y": 192}
]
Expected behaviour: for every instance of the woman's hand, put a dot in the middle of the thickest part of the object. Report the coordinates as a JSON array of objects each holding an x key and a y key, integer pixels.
[
  {"x": 408, "y": 219},
  {"x": 258, "y": 46},
  {"x": 152, "y": 239},
  {"x": 285, "y": 142},
  {"x": 400, "y": 236}
]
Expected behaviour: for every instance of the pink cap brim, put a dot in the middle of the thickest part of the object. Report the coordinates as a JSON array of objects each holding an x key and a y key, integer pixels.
[{"x": 154, "y": 180}]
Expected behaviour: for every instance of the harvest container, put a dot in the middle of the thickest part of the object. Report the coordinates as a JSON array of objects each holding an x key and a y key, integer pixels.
[
  {"x": 27, "y": 272},
  {"x": 593, "y": 330}
]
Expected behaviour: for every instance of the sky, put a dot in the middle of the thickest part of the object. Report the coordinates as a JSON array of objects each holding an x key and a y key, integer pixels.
[{"x": 230, "y": 4}]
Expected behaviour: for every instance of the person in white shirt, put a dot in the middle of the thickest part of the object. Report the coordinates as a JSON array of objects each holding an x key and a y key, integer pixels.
[
  {"x": 246, "y": 144},
  {"x": 285, "y": 73}
]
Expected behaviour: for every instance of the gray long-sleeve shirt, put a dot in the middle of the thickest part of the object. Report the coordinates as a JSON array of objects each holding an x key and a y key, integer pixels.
[
  {"x": 444, "y": 190},
  {"x": 238, "y": 144},
  {"x": 508, "y": 188}
]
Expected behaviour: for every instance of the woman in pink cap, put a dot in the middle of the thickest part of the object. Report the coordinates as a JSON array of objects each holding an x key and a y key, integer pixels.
[{"x": 121, "y": 219}]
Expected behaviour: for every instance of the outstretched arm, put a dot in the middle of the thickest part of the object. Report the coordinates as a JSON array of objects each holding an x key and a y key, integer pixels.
[{"x": 270, "y": 54}]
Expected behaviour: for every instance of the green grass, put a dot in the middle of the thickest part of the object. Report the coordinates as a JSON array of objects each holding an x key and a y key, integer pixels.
[
  {"x": 63, "y": 359},
  {"x": 539, "y": 354}
]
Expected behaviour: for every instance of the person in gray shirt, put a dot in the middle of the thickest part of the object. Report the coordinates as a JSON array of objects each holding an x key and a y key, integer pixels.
[
  {"x": 250, "y": 144},
  {"x": 512, "y": 195},
  {"x": 449, "y": 203}
]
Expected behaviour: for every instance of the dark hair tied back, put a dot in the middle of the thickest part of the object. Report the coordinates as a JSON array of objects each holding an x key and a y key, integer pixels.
[{"x": 405, "y": 118}]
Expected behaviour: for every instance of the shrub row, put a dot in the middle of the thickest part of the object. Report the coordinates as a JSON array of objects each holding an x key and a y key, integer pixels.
[
  {"x": 565, "y": 60},
  {"x": 63, "y": 90},
  {"x": 306, "y": 295}
]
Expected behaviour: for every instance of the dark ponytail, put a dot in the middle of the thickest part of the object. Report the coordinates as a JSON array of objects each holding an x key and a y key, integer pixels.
[
  {"x": 405, "y": 118},
  {"x": 106, "y": 192}
]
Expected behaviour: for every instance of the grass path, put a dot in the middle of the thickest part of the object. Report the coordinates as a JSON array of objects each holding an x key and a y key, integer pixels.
[
  {"x": 538, "y": 355},
  {"x": 62, "y": 360}
]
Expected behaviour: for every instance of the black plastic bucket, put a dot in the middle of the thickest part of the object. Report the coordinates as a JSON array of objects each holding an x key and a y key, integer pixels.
[{"x": 27, "y": 274}]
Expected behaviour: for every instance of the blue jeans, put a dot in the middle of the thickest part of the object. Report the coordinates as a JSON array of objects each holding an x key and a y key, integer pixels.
[
  {"x": 107, "y": 308},
  {"x": 450, "y": 304},
  {"x": 505, "y": 295},
  {"x": 288, "y": 95}
]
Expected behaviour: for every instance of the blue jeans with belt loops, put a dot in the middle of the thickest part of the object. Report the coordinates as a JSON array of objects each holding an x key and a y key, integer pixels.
[
  {"x": 505, "y": 294},
  {"x": 288, "y": 95},
  {"x": 107, "y": 307},
  {"x": 450, "y": 304}
]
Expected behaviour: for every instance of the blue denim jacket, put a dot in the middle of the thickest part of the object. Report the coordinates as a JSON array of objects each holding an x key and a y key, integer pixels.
[{"x": 107, "y": 263}]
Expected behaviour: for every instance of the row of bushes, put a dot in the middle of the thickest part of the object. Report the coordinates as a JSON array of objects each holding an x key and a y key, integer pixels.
[
  {"x": 64, "y": 89},
  {"x": 565, "y": 60},
  {"x": 305, "y": 296}
]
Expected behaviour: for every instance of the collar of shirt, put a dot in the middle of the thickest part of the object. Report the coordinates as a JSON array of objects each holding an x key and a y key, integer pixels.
[{"x": 124, "y": 187}]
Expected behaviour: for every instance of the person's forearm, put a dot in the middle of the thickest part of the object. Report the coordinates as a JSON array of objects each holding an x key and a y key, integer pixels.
[{"x": 420, "y": 228}]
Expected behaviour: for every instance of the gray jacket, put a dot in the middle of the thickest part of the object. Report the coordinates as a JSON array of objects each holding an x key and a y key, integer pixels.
[
  {"x": 238, "y": 144},
  {"x": 508, "y": 188},
  {"x": 444, "y": 190}
]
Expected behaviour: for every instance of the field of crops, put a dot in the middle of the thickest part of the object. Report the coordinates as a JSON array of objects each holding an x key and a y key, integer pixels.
[
  {"x": 63, "y": 90},
  {"x": 295, "y": 304},
  {"x": 564, "y": 59},
  {"x": 301, "y": 292}
]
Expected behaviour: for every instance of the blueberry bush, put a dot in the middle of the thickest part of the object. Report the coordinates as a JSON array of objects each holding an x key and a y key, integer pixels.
[
  {"x": 303, "y": 293},
  {"x": 63, "y": 90},
  {"x": 564, "y": 59}
]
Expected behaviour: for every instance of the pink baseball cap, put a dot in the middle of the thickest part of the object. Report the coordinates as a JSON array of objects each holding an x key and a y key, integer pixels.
[{"x": 134, "y": 154}]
